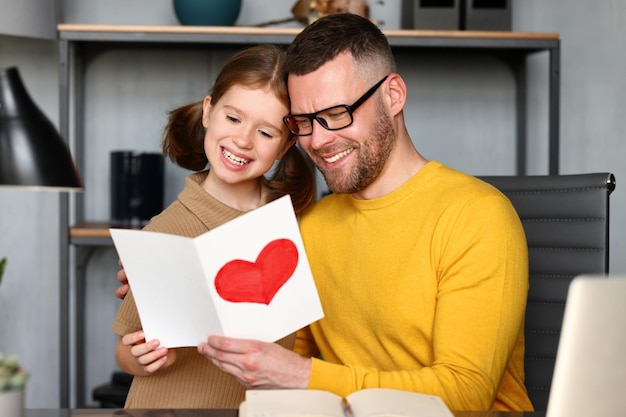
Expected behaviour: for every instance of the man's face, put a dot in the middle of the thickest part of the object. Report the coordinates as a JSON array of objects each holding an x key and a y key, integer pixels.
[{"x": 352, "y": 158}]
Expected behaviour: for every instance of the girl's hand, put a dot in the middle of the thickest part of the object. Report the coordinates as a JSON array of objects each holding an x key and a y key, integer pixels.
[
  {"x": 148, "y": 356},
  {"x": 122, "y": 290}
]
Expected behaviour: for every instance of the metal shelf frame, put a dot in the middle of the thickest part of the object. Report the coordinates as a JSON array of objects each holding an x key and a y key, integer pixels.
[{"x": 79, "y": 43}]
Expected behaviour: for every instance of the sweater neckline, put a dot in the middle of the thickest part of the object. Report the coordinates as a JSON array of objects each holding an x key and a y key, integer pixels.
[{"x": 421, "y": 179}]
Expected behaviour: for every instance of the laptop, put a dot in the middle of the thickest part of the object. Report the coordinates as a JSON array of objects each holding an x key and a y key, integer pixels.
[{"x": 590, "y": 370}]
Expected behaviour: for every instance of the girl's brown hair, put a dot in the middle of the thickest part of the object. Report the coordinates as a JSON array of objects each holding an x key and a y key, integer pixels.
[{"x": 255, "y": 67}]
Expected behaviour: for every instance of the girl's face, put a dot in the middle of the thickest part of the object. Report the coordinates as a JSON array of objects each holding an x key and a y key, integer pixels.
[{"x": 245, "y": 134}]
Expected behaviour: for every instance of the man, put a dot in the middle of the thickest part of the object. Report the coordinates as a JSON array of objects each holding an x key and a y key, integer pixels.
[{"x": 422, "y": 271}]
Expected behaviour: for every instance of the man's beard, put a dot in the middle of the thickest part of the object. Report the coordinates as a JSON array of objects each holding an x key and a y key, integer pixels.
[{"x": 372, "y": 156}]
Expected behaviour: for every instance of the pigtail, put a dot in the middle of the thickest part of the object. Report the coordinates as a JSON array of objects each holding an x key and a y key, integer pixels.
[
  {"x": 183, "y": 139},
  {"x": 294, "y": 176}
]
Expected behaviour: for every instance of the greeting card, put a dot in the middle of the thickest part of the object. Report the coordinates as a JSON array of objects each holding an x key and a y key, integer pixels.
[{"x": 248, "y": 278}]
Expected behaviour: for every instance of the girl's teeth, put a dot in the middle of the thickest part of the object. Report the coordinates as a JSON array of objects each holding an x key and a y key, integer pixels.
[{"x": 234, "y": 159}]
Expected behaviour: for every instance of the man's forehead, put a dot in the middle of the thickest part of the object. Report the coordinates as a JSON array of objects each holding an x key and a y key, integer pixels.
[
  {"x": 316, "y": 91},
  {"x": 310, "y": 101}
]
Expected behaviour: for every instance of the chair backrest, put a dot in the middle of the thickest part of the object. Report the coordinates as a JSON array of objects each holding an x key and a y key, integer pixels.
[{"x": 566, "y": 220}]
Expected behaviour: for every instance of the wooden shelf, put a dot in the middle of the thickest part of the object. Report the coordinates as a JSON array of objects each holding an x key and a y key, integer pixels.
[
  {"x": 90, "y": 229},
  {"x": 529, "y": 41},
  {"x": 92, "y": 233},
  {"x": 263, "y": 31}
]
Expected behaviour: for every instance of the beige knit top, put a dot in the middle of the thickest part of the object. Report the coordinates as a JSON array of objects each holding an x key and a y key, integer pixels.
[{"x": 192, "y": 381}]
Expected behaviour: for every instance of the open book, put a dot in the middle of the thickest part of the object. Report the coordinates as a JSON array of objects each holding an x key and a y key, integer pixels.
[
  {"x": 370, "y": 402},
  {"x": 248, "y": 278}
]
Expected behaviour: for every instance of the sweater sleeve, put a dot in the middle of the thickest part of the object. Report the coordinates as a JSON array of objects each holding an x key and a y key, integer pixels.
[
  {"x": 304, "y": 344},
  {"x": 127, "y": 318}
]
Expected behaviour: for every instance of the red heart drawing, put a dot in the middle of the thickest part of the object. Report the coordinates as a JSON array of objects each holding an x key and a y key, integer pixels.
[{"x": 242, "y": 281}]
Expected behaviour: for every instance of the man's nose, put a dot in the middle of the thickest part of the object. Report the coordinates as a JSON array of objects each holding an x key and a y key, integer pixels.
[{"x": 320, "y": 136}]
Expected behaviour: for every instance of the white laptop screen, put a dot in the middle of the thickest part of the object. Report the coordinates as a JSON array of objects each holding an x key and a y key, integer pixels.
[{"x": 590, "y": 370}]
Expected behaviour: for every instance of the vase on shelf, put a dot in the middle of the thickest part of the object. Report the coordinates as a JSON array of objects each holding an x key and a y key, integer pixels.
[{"x": 207, "y": 12}]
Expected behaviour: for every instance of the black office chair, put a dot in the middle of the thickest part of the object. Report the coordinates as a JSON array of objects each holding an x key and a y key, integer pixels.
[
  {"x": 113, "y": 394},
  {"x": 566, "y": 220}
]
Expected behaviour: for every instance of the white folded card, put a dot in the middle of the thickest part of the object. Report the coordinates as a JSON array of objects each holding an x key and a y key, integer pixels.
[{"x": 248, "y": 278}]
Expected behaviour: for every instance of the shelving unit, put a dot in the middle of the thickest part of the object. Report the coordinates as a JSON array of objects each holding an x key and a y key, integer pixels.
[{"x": 79, "y": 43}]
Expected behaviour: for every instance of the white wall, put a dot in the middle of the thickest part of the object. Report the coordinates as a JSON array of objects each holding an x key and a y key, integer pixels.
[{"x": 462, "y": 113}]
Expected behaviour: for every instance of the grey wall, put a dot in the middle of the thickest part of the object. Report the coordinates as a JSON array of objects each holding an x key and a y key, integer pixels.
[
  {"x": 29, "y": 233},
  {"x": 461, "y": 113},
  {"x": 29, "y": 18}
]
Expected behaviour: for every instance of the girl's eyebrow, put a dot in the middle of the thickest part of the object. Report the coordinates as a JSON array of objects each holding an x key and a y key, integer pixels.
[{"x": 264, "y": 121}]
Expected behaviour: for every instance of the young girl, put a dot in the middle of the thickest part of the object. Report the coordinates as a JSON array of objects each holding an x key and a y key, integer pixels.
[{"x": 238, "y": 131}]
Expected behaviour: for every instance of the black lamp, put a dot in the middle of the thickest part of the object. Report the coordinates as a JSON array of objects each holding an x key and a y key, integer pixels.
[{"x": 32, "y": 153}]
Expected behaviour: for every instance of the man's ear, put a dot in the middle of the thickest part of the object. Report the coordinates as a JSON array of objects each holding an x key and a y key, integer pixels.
[
  {"x": 206, "y": 109},
  {"x": 397, "y": 93}
]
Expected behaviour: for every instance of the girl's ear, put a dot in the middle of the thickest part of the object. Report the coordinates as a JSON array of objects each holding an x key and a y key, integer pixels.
[
  {"x": 206, "y": 109},
  {"x": 290, "y": 142}
]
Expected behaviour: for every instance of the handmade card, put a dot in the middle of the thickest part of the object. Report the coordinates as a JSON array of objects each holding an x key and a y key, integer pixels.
[{"x": 248, "y": 278}]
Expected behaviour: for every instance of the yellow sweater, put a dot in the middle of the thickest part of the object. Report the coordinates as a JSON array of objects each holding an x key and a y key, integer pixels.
[{"x": 423, "y": 290}]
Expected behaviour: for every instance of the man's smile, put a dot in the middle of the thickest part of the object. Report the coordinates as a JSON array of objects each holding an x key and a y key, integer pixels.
[{"x": 337, "y": 156}]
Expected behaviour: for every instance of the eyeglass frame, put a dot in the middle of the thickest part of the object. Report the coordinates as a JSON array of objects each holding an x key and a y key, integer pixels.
[{"x": 322, "y": 122}]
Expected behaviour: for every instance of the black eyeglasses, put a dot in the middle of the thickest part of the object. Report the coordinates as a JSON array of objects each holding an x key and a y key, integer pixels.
[{"x": 332, "y": 118}]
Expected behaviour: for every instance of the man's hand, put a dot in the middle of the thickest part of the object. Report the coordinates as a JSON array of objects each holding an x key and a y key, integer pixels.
[
  {"x": 258, "y": 364},
  {"x": 122, "y": 290}
]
